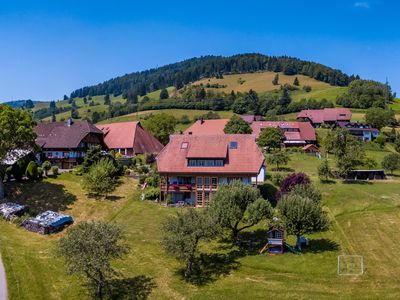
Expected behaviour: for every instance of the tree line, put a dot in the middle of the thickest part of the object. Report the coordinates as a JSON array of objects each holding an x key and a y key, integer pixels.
[{"x": 181, "y": 73}]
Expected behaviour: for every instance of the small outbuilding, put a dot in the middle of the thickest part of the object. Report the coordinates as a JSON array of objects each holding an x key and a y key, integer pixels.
[
  {"x": 48, "y": 222},
  {"x": 10, "y": 210},
  {"x": 311, "y": 149},
  {"x": 366, "y": 175}
]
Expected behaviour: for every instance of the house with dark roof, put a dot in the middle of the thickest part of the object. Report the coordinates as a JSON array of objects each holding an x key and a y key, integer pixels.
[
  {"x": 295, "y": 133},
  {"x": 64, "y": 144},
  {"x": 129, "y": 139},
  {"x": 329, "y": 116},
  {"x": 361, "y": 131},
  {"x": 193, "y": 166}
]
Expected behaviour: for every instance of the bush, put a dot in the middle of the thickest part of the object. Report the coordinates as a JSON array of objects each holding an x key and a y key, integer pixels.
[
  {"x": 307, "y": 88},
  {"x": 290, "y": 182},
  {"x": 32, "y": 170},
  {"x": 46, "y": 166},
  {"x": 40, "y": 172},
  {"x": 78, "y": 171},
  {"x": 151, "y": 193},
  {"x": 277, "y": 179},
  {"x": 54, "y": 170}
]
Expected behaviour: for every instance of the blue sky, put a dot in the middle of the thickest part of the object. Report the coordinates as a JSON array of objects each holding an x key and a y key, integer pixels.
[{"x": 49, "y": 48}]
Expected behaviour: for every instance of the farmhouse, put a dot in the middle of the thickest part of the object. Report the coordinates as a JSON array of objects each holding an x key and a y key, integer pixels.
[
  {"x": 207, "y": 127},
  {"x": 193, "y": 166},
  {"x": 317, "y": 117},
  {"x": 64, "y": 143},
  {"x": 360, "y": 130},
  {"x": 296, "y": 133},
  {"x": 129, "y": 139}
]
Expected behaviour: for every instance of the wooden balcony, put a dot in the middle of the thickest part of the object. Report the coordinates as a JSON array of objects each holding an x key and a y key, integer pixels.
[{"x": 178, "y": 187}]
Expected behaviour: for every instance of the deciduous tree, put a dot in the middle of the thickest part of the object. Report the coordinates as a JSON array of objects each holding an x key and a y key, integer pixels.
[
  {"x": 278, "y": 158},
  {"x": 161, "y": 126},
  {"x": 183, "y": 233},
  {"x": 391, "y": 162},
  {"x": 89, "y": 250},
  {"x": 302, "y": 215},
  {"x": 16, "y": 132},
  {"x": 270, "y": 138},
  {"x": 237, "y": 125},
  {"x": 237, "y": 206}
]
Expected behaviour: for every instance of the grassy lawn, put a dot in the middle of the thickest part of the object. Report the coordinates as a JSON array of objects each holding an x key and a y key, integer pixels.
[{"x": 366, "y": 221}]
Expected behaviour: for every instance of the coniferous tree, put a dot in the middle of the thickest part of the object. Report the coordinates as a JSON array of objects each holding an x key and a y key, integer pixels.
[
  {"x": 164, "y": 94},
  {"x": 296, "y": 82},
  {"x": 275, "y": 81},
  {"x": 107, "y": 100}
]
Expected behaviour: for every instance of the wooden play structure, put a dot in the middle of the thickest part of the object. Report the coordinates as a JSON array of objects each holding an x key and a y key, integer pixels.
[
  {"x": 276, "y": 238},
  {"x": 276, "y": 242}
]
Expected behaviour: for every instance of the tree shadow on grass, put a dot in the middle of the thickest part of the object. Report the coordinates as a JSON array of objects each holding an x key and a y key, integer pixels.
[
  {"x": 209, "y": 267},
  {"x": 322, "y": 245},
  {"x": 39, "y": 196},
  {"x": 359, "y": 182},
  {"x": 138, "y": 287},
  {"x": 248, "y": 243},
  {"x": 329, "y": 181}
]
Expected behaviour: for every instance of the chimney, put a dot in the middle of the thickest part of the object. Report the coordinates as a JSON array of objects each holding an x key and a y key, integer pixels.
[
  {"x": 70, "y": 122},
  {"x": 202, "y": 120}
]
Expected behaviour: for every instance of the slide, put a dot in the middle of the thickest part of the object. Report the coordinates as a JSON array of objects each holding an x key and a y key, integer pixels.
[{"x": 291, "y": 249}]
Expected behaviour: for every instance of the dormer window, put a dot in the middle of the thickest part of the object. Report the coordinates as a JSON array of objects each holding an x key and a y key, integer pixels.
[
  {"x": 233, "y": 145},
  {"x": 184, "y": 145}
]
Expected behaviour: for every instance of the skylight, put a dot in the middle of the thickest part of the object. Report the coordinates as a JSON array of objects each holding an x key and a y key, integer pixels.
[
  {"x": 233, "y": 145},
  {"x": 184, "y": 145}
]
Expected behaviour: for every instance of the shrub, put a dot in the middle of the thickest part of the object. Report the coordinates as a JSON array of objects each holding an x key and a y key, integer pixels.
[
  {"x": 32, "y": 170},
  {"x": 290, "y": 182},
  {"x": 307, "y": 88},
  {"x": 54, "y": 170},
  {"x": 277, "y": 179},
  {"x": 78, "y": 171},
  {"x": 151, "y": 193},
  {"x": 46, "y": 166},
  {"x": 40, "y": 172}
]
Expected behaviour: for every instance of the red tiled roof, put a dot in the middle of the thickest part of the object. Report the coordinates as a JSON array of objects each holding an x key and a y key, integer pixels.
[
  {"x": 326, "y": 114},
  {"x": 215, "y": 126},
  {"x": 125, "y": 135},
  {"x": 246, "y": 159},
  {"x": 305, "y": 131},
  {"x": 58, "y": 135}
]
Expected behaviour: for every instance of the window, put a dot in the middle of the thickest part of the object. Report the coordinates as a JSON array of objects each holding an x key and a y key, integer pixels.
[
  {"x": 184, "y": 145},
  {"x": 199, "y": 181},
  {"x": 205, "y": 163},
  {"x": 233, "y": 145}
]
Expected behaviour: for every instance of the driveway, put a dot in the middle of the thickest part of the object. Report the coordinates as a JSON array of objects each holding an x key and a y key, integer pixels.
[{"x": 3, "y": 283}]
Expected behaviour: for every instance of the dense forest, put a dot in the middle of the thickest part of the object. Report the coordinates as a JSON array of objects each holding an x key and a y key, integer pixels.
[
  {"x": 366, "y": 94},
  {"x": 181, "y": 73}
]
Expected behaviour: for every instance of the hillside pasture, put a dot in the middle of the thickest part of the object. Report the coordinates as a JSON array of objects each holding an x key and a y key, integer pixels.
[{"x": 260, "y": 82}]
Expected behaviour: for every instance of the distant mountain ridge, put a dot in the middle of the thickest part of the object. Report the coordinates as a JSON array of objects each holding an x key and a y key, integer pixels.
[
  {"x": 181, "y": 73},
  {"x": 21, "y": 103}
]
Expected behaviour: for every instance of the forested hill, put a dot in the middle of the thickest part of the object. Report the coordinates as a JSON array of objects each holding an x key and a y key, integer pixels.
[{"x": 182, "y": 73}]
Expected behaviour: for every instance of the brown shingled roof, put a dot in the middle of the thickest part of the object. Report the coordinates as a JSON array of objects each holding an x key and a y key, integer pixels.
[
  {"x": 58, "y": 135},
  {"x": 129, "y": 135},
  {"x": 245, "y": 159}
]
